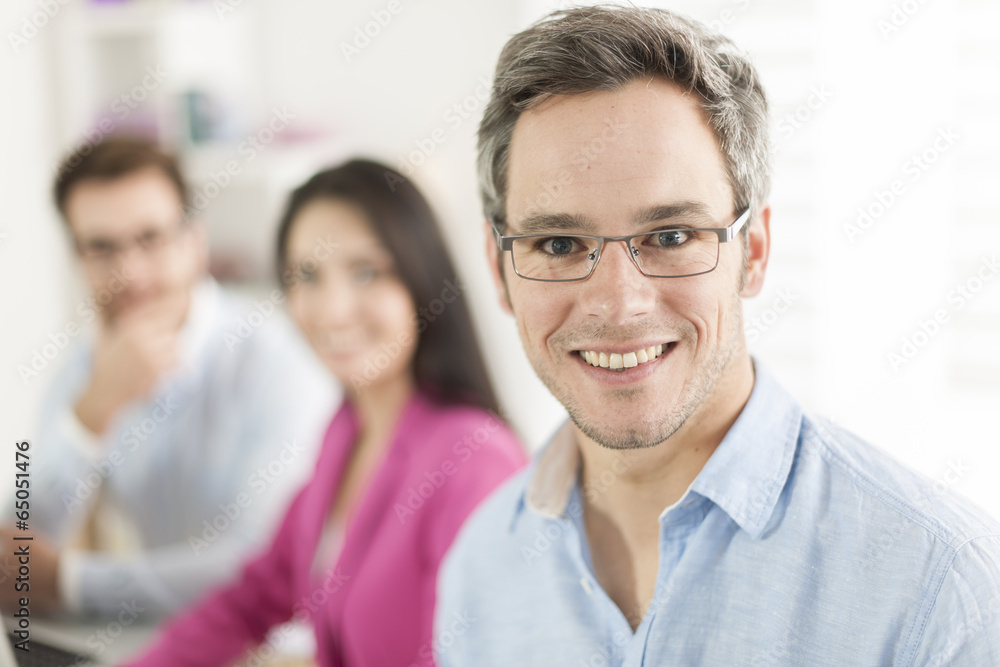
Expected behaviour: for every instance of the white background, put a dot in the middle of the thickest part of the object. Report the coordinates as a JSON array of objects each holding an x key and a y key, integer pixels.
[{"x": 858, "y": 88}]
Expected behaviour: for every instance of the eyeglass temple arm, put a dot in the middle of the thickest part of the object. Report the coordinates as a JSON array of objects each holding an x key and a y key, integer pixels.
[
  {"x": 738, "y": 224},
  {"x": 503, "y": 242}
]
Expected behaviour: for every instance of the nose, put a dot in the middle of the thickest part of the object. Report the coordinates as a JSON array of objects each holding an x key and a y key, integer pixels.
[
  {"x": 616, "y": 290},
  {"x": 133, "y": 262},
  {"x": 336, "y": 303}
]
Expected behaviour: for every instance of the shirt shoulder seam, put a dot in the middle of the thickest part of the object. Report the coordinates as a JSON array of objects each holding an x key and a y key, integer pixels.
[
  {"x": 929, "y": 602},
  {"x": 914, "y": 645},
  {"x": 876, "y": 491}
]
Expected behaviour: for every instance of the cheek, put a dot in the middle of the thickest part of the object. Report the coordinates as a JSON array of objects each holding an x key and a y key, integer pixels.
[
  {"x": 691, "y": 308},
  {"x": 97, "y": 280},
  {"x": 185, "y": 265},
  {"x": 301, "y": 308},
  {"x": 732, "y": 262},
  {"x": 711, "y": 311},
  {"x": 392, "y": 310},
  {"x": 539, "y": 310}
]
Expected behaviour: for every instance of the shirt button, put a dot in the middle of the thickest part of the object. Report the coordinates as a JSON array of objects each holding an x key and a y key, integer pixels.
[{"x": 587, "y": 586}]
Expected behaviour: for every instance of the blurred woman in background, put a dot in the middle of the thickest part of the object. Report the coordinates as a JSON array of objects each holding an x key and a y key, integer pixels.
[{"x": 415, "y": 447}]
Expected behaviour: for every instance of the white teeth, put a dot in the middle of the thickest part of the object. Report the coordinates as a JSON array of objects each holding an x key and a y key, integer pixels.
[{"x": 620, "y": 361}]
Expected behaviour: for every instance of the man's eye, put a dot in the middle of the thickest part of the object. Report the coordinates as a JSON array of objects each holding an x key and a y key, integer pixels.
[
  {"x": 151, "y": 239},
  {"x": 99, "y": 248},
  {"x": 557, "y": 245},
  {"x": 670, "y": 238}
]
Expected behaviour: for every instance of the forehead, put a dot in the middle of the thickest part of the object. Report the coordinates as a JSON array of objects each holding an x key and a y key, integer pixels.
[
  {"x": 332, "y": 223},
  {"x": 608, "y": 154},
  {"x": 123, "y": 206}
]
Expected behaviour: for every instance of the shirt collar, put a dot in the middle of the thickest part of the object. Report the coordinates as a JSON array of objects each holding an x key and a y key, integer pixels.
[
  {"x": 206, "y": 300},
  {"x": 744, "y": 476},
  {"x": 554, "y": 474},
  {"x": 196, "y": 334},
  {"x": 747, "y": 472}
]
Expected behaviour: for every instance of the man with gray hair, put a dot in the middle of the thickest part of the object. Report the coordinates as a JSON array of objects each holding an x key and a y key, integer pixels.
[{"x": 689, "y": 512}]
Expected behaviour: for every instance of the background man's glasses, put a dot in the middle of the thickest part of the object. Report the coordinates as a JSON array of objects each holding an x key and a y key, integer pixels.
[
  {"x": 672, "y": 252},
  {"x": 104, "y": 252}
]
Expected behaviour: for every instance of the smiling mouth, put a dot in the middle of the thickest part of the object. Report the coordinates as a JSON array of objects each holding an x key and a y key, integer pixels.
[{"x": 620, "y": 362}]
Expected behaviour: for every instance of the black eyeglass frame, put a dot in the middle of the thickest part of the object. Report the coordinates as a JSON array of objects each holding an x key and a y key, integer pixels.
[{"x": 116, "y": 248}]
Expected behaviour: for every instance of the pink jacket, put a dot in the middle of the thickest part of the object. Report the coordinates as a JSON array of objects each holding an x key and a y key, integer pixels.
[{"x": 374, "y": 607}]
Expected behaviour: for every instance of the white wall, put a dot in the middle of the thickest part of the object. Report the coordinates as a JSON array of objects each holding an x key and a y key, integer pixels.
[
  {"x": 885, "y": 96},
  {"x": 33, "y": 253},
  {"x": 858, "y": 89},
  {"x": 388, "y": 101}
]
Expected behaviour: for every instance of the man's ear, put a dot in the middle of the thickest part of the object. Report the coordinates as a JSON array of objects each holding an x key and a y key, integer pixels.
[
  {"x": 494, "y": 257},
  {"x": 758, "y": 251}
]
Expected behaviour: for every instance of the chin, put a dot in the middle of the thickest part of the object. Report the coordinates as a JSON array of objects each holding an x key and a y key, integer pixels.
[
  {"x": 630, "y": 421},
  {"x": 627, "y": 436},
  {"x": 114, "y": 311},
  {"x": 123, "y": 305}
]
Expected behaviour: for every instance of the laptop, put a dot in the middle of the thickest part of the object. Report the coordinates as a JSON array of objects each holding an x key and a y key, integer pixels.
[{"x": 40, "y": 653}]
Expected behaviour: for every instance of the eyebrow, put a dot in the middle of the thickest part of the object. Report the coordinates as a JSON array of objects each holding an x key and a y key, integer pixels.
[
  {"x": 540, "y": 223},
  {"x": 369, "y": 253},
  {"x": 548, "y": 222},
  {"x": 148, "y": 226},
  {"x": 687, "y": 209}
]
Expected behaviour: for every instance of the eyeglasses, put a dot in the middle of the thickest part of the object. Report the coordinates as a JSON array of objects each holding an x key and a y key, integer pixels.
[
  {"x": 100, "y": 251},
  {"x": 672, "y": 252}
]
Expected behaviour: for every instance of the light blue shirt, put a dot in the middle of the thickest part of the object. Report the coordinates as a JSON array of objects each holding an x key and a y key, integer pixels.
[
  {"x": 193, "y": 478},
  {"x": 797, "y": 544}
]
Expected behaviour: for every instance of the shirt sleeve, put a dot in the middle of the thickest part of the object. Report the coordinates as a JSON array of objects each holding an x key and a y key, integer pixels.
[
  {"x": 169, "y": 577},
  {"x": 66, "y": 473},
  {"x": 963, "y": 627},
  {"x": 283, "y": 407},
  {"x": 161, "y": 580}
]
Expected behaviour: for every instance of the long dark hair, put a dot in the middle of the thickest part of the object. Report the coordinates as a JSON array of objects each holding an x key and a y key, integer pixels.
[{"x": 448, "y": 365}]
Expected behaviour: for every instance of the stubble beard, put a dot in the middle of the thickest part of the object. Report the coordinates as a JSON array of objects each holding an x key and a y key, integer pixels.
[{"x": 697, "y": 388}]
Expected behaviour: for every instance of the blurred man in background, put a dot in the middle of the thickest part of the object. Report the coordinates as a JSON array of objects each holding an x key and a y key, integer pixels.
[{"x": 171, "y": 439}]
